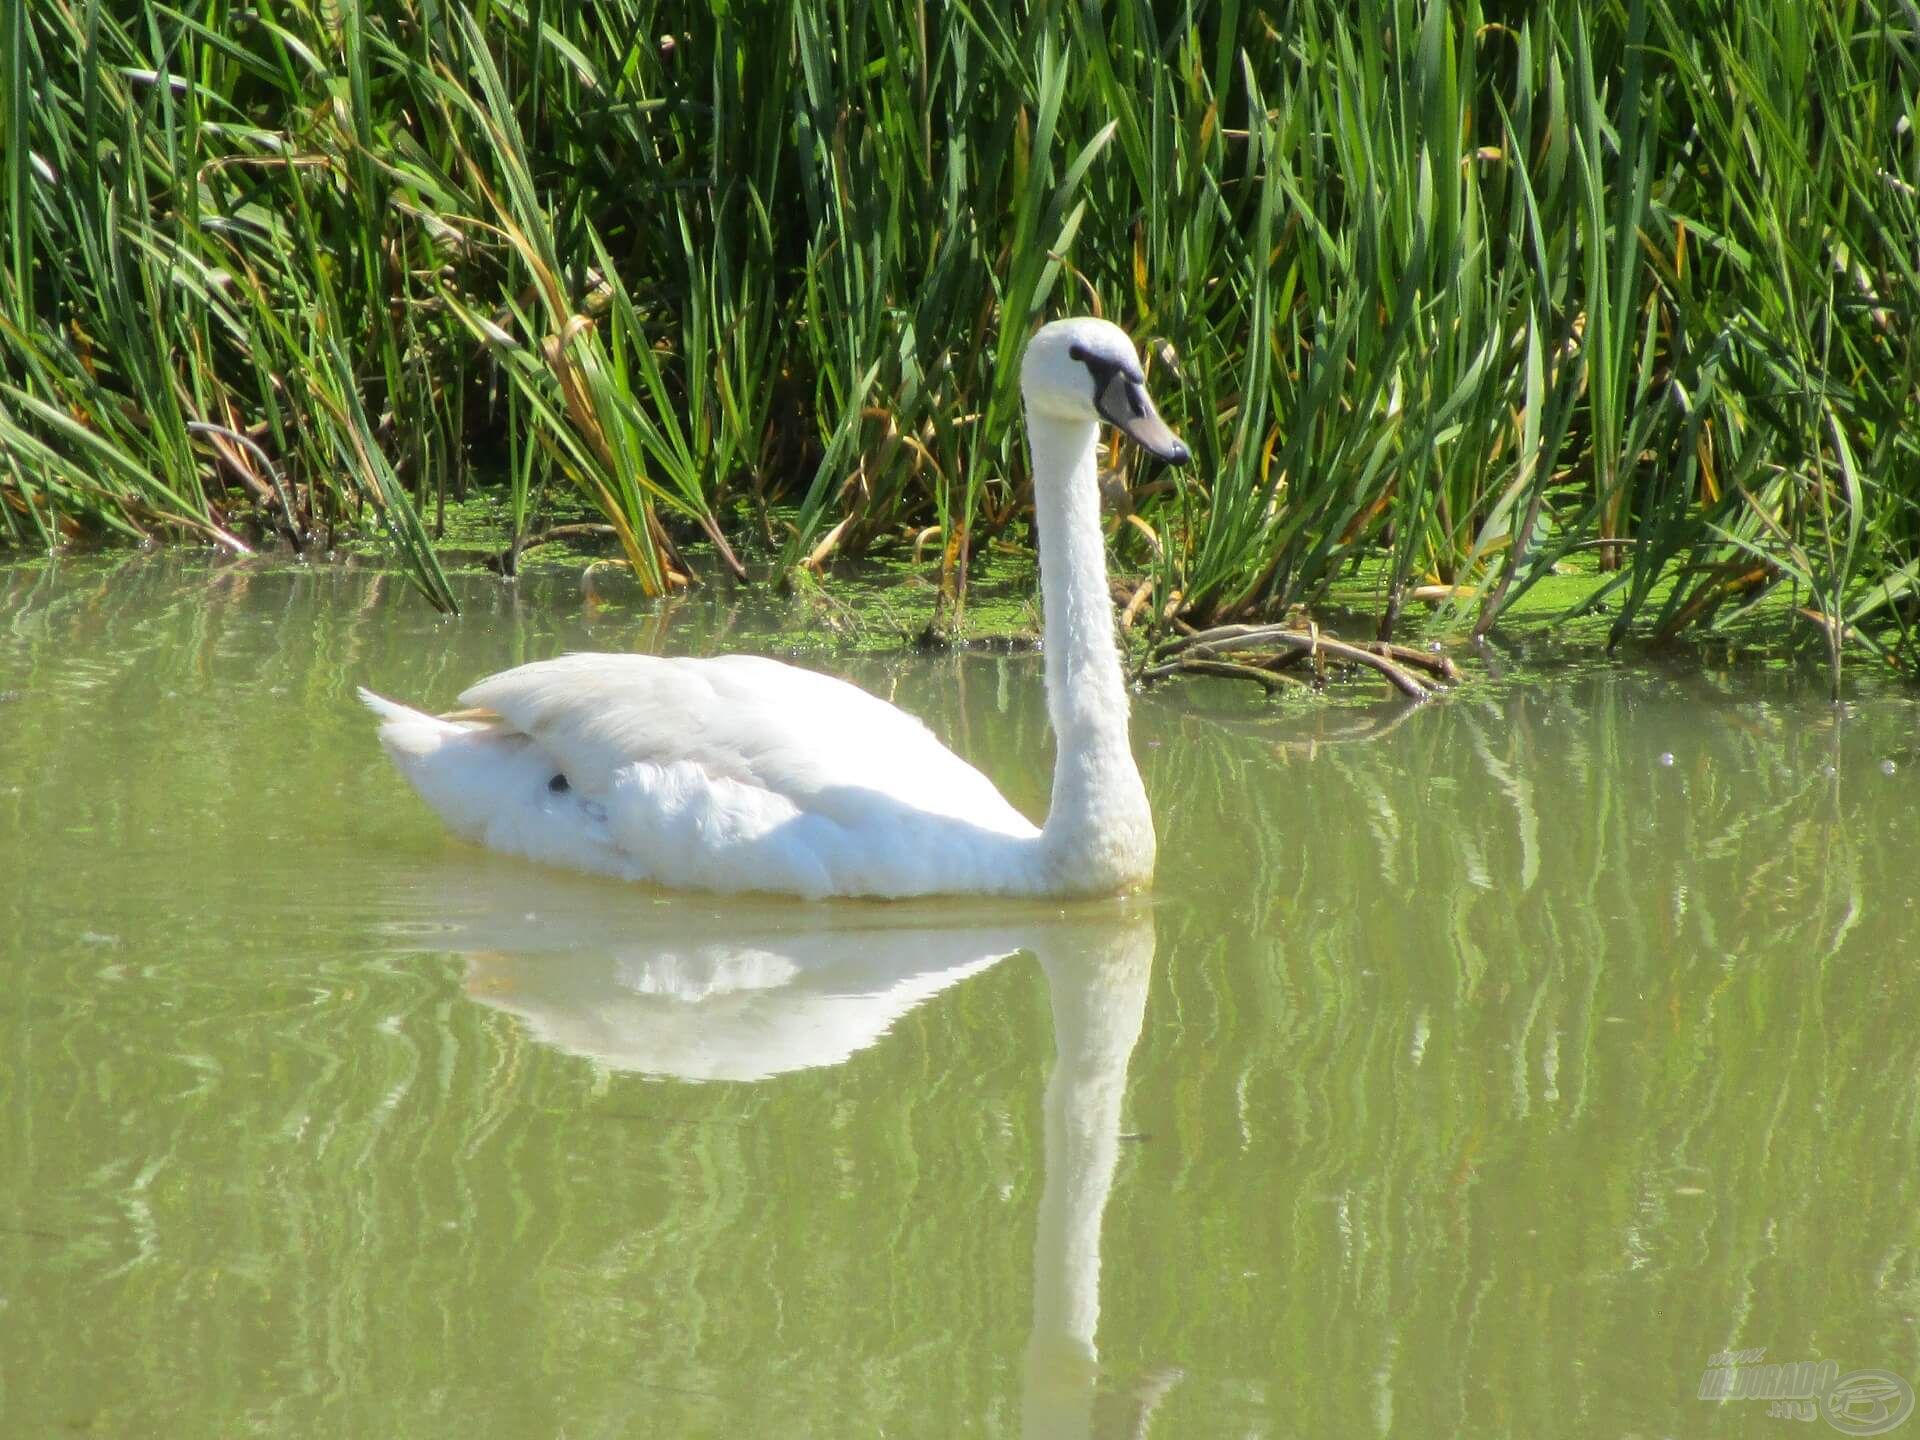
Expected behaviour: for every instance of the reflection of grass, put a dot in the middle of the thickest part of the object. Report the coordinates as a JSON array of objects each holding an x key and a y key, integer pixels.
[
  {"x": 1464, "y": 299},
  {"x": 1540, "y": 1031}
]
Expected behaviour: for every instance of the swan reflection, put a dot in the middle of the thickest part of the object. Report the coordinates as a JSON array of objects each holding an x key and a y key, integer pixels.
[
  {"x": 701, "y": 995},
  {"x": 1097, "y": 981},
  {"x": 704, "y": 989}
]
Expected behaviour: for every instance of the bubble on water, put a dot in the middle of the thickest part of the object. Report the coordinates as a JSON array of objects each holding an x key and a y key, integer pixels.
[
  {"x": 1666, "y": 757},
  {"x": 1887, "y": 767}
]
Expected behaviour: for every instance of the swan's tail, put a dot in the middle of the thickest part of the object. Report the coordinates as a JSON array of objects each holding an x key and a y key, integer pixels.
[
  {"x": 457, "y": 769},
  {"x": 488, "y": 782},
  {"x": 407, "y": 734}
]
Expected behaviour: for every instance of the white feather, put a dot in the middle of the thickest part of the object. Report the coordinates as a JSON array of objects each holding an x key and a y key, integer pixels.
[{"x": 741, "y": 773}]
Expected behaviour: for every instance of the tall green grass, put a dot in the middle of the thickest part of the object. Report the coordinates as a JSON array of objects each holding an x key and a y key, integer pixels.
[{"x": 1468, "y": 291}]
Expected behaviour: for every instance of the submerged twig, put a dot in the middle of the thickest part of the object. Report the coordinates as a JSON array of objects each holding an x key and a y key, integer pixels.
[
  {"x": 1272, "y": 678},
  {"x": 507, "y": 562},
  {"x": 1414, "y": 673}
]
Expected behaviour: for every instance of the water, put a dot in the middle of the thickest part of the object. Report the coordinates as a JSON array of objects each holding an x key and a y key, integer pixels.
[{"x": 1486, "y": 1069}]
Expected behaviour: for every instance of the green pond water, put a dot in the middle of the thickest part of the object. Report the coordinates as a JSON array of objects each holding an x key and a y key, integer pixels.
[{"x": 1483, "y": 1069}]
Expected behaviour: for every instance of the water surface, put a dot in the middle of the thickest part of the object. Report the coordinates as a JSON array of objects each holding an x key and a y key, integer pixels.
[{"x": 1486, "y": 1068}]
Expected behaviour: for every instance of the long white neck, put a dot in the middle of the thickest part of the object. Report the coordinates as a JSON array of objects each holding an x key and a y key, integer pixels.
[{"x": 1099, "y": 833}]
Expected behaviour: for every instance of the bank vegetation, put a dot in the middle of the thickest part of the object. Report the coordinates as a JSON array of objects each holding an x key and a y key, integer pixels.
[{"x": 1466, "y": 293}]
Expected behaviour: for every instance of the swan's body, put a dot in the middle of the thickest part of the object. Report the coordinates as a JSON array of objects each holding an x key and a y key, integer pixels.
[
  {"x": 740, "y": 773},
  {"x": 735, "y": 773}
]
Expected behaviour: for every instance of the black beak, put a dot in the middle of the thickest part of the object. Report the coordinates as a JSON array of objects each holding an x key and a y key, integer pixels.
[{"x": 1124, "y": 402}]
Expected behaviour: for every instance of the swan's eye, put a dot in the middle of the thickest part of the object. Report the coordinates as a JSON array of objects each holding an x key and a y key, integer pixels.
[
  {"x": 1107, "y": 373},
  {"x": 558, "y": 785}
]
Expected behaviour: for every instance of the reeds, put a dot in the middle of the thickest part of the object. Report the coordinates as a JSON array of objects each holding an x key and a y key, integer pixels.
[{"x": 1452, "y": 290}]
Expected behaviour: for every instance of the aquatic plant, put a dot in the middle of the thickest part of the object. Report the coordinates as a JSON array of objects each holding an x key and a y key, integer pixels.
[{"x": 1461, "y": 290}]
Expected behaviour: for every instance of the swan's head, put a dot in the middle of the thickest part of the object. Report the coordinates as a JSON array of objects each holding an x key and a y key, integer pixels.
[{"x": 1087, "y": 370}]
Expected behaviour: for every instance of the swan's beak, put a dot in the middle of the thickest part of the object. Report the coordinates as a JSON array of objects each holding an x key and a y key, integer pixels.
[{"x": 1124, "y": 402}]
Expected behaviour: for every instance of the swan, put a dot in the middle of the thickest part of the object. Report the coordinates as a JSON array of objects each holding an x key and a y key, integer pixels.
[{"x": 740, "y": 773}]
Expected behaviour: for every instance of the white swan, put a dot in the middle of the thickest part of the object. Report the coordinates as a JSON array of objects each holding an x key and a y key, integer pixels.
[{"x": 741, "y": 773}]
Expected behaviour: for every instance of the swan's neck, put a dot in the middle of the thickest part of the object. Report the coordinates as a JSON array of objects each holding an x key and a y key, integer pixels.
[{"x": 1099, "y": 833}]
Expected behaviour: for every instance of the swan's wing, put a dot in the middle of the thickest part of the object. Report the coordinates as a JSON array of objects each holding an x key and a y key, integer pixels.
[{"x": 826, "y": 747}]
